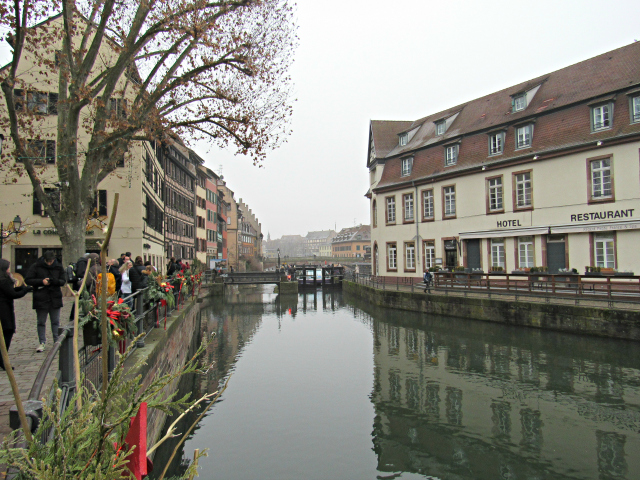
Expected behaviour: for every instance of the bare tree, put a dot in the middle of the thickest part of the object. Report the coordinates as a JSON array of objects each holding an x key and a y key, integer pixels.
[{"x": 129, "y": 71}]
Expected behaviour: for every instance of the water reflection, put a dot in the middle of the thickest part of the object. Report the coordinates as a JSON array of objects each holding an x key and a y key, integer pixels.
[
  {"x": 449, "y": 399},
  {"x": 518, "y": 403}
]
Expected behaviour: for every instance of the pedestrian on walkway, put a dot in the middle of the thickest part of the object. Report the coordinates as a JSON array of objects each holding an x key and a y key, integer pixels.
[
  {"x": 8, "y": 292},
  {"x": 46, "y": 276},
  {"x": 427, "y": 277}
]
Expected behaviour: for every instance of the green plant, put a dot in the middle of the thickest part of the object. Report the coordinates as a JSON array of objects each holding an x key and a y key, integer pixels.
[
  {"x": 458, "y": 269},
  {"x": 497, "y": 269},
  {"x": 159, "y": 290},
  {"x": 120, "y": 317},
  {"x": 87, "y": 441}
]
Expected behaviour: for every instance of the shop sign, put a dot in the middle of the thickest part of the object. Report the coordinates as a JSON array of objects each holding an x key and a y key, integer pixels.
[{"x": 606, "y": 215}]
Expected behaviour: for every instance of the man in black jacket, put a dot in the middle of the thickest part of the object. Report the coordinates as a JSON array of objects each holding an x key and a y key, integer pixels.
[{"x": 47, "y": 277}]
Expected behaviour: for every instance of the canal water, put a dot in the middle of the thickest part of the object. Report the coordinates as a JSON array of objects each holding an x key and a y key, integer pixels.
[{"x": 322, "y": 386}]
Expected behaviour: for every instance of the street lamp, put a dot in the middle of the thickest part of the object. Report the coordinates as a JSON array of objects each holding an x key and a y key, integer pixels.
[
  {"x": 17, "y": 222},
  {"x": 278, "y": 259}
]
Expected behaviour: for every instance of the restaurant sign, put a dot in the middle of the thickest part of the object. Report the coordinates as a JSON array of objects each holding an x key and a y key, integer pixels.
[{"x": 606, "y": 215}]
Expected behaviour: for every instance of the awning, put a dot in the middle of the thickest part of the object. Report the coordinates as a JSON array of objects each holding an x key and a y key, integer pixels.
[
  {"x": 505, "y": 232},
  {"x": 596, "y": 227}
]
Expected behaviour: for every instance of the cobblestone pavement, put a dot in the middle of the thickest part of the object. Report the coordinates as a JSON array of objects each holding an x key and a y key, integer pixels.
[{"x": 24, "y": 358}]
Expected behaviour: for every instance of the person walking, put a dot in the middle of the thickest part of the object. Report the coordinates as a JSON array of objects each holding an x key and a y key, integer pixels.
[
  {"x": 46, "y": 276},
  {"x": 113, "y": 267},
  {"x": 8, "y": 293},
  {"x": 427, "y": 277}
]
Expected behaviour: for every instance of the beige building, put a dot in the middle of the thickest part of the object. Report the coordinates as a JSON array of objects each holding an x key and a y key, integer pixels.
[
  {"x": 201, "y": 214},
  {"x": 318, "y": 244},
  {"x": 544, "y": 173},
  {"x": 139, "y": 179}
]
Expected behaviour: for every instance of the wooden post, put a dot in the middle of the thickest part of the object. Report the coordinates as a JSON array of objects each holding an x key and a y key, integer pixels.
[{"x": 103, "y": 297}]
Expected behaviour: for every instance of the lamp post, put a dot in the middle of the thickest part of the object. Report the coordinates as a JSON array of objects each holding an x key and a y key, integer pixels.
[
  {"x": 278, "y": 259},
  {"x": 17, "y": 223}
]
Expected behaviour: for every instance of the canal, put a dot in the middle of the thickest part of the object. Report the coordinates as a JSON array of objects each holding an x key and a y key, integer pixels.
[{"x": 325, "y": 387}]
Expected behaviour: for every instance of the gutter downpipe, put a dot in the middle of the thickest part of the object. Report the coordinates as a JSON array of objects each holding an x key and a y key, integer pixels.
[{"x": 415, "y": 214}]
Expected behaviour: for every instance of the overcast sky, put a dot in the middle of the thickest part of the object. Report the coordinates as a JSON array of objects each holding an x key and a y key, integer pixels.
[{"x": 367, "y": 59}]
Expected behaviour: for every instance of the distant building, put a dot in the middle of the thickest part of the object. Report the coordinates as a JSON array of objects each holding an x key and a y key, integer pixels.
[
  {"x": 351, "y": 242},
  {"x": 319, "y": 243}
]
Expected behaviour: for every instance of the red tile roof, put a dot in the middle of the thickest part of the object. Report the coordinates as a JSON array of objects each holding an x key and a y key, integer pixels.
[{"x": 559, "y": 107}]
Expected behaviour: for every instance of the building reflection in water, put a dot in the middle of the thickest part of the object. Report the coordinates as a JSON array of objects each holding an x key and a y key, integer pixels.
[{"x": 518, "y": 403}]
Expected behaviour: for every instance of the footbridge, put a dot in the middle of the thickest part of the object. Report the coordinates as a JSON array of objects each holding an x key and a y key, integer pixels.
[{"x": 254, "y": 278}]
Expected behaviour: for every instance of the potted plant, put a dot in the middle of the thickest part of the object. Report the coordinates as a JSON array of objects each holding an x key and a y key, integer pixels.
[
  {"x": 496, "y": 270},
  {"x": 120, "y": 318},
  {"x": 520, "y": 271},
  {"x": 593, "y": 271},
  {"x": 537, "y": 273},
  {"x": 566, "y": 275}
]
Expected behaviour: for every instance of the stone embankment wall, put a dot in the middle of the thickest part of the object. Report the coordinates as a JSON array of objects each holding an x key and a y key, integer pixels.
[
  {"x": 164, "y": 352},
  {"x": 602, "y": 322}
]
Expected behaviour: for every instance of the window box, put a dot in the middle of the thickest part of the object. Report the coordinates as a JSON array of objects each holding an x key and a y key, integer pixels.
[{"x": 623, "y": 274}]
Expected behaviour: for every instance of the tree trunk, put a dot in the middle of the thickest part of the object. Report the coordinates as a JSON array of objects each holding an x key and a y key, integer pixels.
[{"x": 73, "y": 238}]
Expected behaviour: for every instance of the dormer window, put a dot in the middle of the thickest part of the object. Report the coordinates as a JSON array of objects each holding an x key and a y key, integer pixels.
[
  {"x": 441, "y": 126},
  {"x": 403, "y": 139},
  {"x": 635, "y": 109},
  {"x": 450, "y": 155},
  {"x": 407, "y": 165},
  {"x": 519, "y": 102},
  {"x": 601, "y": 117}
]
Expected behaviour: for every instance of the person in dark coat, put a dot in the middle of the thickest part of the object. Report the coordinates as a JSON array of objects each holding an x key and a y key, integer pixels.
[
  {"x": 138, "y": 278},
  {"x": 46, "y": 276},
  {"x": 7, "y": 294},
  {"x": 113, "y": 267},
  {"x": 172, "y": 267}
]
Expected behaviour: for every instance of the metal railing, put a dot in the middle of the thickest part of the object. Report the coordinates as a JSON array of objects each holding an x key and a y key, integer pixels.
[
  {"x": 147, "y": 315},
  {"x": 548, "y": 287}
]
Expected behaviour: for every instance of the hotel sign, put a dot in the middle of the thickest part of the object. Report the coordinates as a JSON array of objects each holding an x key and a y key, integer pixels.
[{"x": 610, "y": 214}]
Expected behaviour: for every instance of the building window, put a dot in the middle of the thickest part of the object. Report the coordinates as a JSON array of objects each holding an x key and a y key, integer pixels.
[
  {"x": 495, "y": 194},
  {"x": 41, "y": 151},
  {"x": 374, "y": 214},
  {"x": 496, "y": 143},
  {"x": 392, "y": 256},
  {"x": 522, "y": 185},
  {"x": 635, "y": 109},
  {"x": 391, "y": 209},
  {"x": 441, "y": 126},
  {"x": 601, "y": 181},
  {"x": 523, "y": 136},
  {"x": 40, "y": 103},
  {"x": 601, "y": 117},
  {"x": 403, "y": 139},
  {"x": 604, "y": 246},
  {"x": 410, "y": 256},
  {"x": 451, "y": 155},
  {"x": 449, "y": 194},
  {"x": 407, "y": 164},
  {"x": 429, "y": 254},
  {"x": 408, "y": 207},
  {"x": 525, "y": 252},
  {"x": 427, "y": 205},
  {"x": 519, "y": 102},
  {"x": 497, "y": 252}
]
